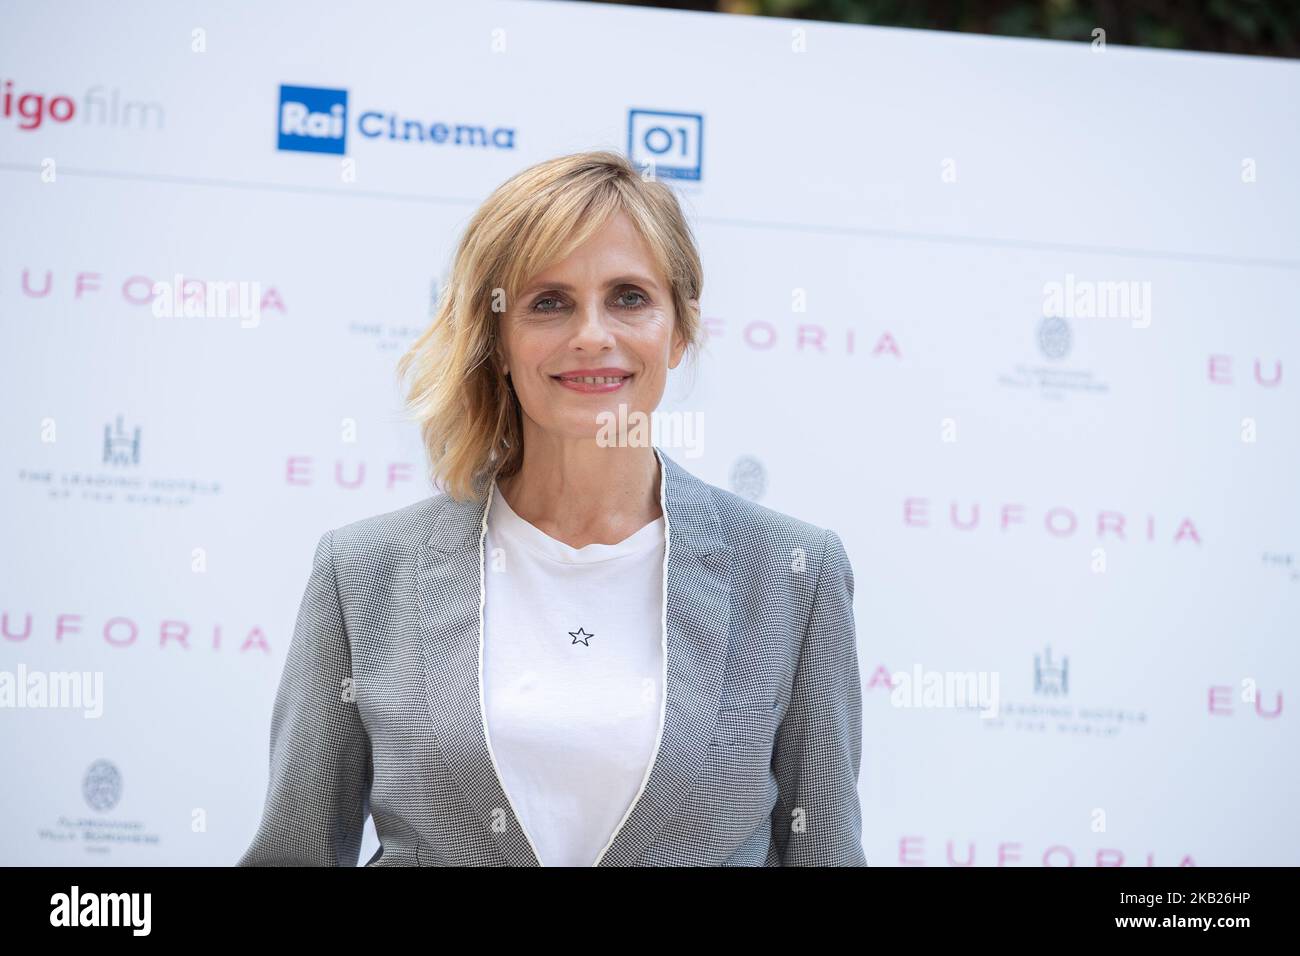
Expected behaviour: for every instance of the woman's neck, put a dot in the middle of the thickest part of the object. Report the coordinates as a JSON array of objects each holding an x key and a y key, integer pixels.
[{"x": 581, "y": 493}]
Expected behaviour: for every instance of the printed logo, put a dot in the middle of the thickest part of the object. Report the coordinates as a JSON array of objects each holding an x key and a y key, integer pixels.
[
  {"x": 316, "y": 120},
  {"x": 99, "y": 106},
  {"x": 1056, "y": 378},
  {"x": 313, "y": 120},
  {"x": 1054, "y": 337},
  {"x": 749, "y": 477},
  {"x": 1058, "y": 714},
  {"x": 102, "y": 786},
  {"x": 669, "y": 145},
  {"x": 1049, "y": 678},
  {"x": 120, "y": 446}
]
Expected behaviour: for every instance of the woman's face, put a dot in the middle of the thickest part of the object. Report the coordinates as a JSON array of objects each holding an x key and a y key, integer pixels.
[{"x": 604, "y": 312}]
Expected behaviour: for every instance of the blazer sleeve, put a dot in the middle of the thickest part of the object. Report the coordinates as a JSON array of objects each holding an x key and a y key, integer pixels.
[
  {"x": 318, "y": 794},
  {"x": 817, "y": 820}
]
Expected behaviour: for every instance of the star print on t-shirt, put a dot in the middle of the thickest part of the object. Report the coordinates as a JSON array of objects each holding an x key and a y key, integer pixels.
[{"x": 581, "y": 637}]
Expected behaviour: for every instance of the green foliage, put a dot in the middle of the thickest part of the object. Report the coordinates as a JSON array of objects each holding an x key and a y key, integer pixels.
[{"x": 1223, "y": 26}]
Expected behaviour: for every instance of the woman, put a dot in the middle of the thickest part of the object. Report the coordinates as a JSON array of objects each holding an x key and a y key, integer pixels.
[{"x": 579, "y": 653}]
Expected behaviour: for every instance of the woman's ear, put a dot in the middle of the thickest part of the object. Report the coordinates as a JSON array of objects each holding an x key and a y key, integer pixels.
[{"x": 677, "y": 349}]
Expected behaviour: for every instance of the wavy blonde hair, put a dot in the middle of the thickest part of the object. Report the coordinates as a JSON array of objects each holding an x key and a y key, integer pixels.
[{"x": 468, "y": 412}]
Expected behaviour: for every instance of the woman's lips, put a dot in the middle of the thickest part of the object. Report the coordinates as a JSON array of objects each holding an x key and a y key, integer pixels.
[{"x": 592, "y": 387}]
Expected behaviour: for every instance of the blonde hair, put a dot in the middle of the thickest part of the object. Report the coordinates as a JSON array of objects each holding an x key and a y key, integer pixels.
[{"x": 468, "y": 412}]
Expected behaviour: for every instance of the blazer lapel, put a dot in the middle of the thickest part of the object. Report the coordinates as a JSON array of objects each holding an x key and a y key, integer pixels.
[
  {"x": 697, "y": 622},
  {"x": 449, "y": 584}
]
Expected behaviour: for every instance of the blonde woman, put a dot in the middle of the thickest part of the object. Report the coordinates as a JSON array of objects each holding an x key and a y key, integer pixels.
[{"x": 578, "y": 654}]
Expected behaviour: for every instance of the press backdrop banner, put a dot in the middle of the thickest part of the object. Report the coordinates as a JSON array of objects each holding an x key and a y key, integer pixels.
[{"x": 1016, "y": 319}]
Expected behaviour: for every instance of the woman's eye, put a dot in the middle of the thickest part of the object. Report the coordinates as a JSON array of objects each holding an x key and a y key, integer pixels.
[{"x": 551, "y": 303}]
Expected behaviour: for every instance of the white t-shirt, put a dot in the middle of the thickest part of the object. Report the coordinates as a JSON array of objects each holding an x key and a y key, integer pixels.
[{"x": 572, "y": 677}]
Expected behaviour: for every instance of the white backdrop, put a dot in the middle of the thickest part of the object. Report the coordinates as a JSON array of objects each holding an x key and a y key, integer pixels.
[{"x": 1098, "y": 509}]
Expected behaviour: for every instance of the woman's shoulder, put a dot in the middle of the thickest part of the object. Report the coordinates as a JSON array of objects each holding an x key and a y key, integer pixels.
[
  {"x": 768, "y": 544},
  {"x": 402, "y": 530},
  {"x": 744, "y": 524}
]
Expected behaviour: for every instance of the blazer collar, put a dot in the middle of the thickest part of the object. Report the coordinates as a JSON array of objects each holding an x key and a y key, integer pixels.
[
  {"x": 697, "y": 603},
  {"x": 692, "y": 516}
]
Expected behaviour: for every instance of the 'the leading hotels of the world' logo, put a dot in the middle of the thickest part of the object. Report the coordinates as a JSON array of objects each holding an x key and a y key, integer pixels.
[{"x": 313, "y": 120}]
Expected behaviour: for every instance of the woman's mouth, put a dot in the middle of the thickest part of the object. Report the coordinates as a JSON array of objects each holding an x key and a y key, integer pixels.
[{"x": 590, "y": 384}]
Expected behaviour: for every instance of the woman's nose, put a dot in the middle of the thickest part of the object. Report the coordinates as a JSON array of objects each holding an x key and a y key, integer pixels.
[{"x": 593, "y": 324}]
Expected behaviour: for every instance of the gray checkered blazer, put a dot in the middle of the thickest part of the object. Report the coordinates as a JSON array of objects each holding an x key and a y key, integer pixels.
[{"x": 379, "y": 708}]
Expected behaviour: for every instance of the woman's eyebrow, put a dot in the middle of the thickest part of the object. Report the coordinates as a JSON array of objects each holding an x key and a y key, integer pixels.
[{"x": 619, "y": 280}]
